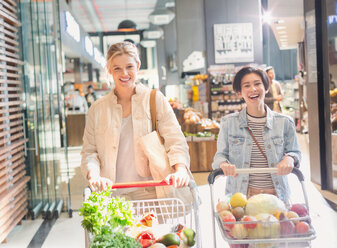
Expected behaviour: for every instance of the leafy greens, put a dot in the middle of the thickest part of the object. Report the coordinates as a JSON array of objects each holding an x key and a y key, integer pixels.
[
  {"x": 104, "y": 214},
  {"x": 114, "y": 240}
]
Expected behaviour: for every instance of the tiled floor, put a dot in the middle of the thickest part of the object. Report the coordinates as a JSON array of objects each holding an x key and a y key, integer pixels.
[{"x": 67, "y": 232}]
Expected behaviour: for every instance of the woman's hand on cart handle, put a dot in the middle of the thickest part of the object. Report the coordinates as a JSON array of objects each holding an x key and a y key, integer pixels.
[
  {"x": 97, "y": 183},
  {"x": 180, "y": 177},
  {"x": 228, "y": 169},
  {"x": 286, "y": 166},
  {"x": 219, "y": 172}
]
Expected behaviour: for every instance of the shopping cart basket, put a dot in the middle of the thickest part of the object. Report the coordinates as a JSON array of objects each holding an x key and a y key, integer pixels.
[
  {"x": 265, "y": 236},
  {"x": 170, "y": 211}
]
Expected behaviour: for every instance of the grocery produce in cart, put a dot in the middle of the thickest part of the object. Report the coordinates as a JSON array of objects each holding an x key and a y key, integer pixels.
[
  {"x": 115, "y": 222},
  {"x": 261, "y": 216},
  {"x": 263, "y": 220}
]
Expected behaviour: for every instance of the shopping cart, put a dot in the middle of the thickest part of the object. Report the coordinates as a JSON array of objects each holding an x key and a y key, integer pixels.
[
  {"x": 170, "y": 211},
  {"x": 268, "y": 239}
]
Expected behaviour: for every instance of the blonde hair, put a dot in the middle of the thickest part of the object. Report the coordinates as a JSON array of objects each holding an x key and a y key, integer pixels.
[{"x": 121, "y": 48}]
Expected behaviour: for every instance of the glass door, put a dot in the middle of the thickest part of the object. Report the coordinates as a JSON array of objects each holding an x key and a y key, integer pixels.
[
  {"x": 332, "y": 48},
  {"x": 44, "y": 111}
]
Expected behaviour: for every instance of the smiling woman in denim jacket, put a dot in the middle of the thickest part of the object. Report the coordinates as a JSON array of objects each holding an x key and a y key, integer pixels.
[{"x": 275, "y": 134}]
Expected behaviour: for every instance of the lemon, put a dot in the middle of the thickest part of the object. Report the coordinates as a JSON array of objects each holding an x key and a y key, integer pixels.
[{"x": 238, "y": 200}]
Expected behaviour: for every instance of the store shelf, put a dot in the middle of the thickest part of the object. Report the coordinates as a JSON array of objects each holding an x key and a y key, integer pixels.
[{"x": 223, "y": 99}]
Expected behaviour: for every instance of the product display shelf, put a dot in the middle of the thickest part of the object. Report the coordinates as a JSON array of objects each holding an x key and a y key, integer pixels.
[
  {"x": 291, "y": 99},
  {"x": 223, "y": 99}
]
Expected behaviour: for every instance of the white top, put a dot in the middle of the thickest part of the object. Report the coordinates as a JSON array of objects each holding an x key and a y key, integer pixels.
[
  {"x": 126, "y": 168},
  {"x": 257, "y": 160},
  {"x": 78, "y": 103}
]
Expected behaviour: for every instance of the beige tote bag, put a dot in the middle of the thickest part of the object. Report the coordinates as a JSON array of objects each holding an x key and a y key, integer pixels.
[{"x": 153, "y": 147}]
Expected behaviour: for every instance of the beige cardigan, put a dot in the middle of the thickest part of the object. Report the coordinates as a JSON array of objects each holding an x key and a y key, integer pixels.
[{"x": 102, "y": 132}]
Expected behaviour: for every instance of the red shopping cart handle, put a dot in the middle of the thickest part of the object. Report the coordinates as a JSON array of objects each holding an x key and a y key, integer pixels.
[{"x": 141, "y": 184}]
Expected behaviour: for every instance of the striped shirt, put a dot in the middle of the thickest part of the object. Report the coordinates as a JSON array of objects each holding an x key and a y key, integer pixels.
[{"x": 257, "y": 160}]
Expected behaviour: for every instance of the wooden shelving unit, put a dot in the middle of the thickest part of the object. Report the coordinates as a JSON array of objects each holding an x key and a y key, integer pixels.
[{"x": 13, "y": 179}]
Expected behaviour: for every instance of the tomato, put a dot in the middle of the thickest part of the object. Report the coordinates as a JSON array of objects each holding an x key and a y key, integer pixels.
[
  {"x": 145, "y": 235},
  {"x": 146, "y": 242},
  {"x": 146, "y": 238},
  {"x": 249, "y": 219},
  {"x": 302, "y": 227}
]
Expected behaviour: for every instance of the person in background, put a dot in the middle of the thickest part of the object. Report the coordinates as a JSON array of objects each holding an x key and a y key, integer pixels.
[
  {"x": 111, "y": 151},
  {"x": 276, "y": 142},
  {"x": 78, "y": 102},
  {"x": 90, "y": 97},
  {"x": 274, "y": 95}
]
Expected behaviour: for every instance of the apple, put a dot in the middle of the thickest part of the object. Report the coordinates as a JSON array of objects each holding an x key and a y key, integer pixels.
[
  {"x": 287, "y": 226},
  {"x": 249, "y": 219},
  {"x": 222, "y": 205},
  {"x": 293, "y": 216},
  {"x": 300, "y": 209},
  {"x": 302, "y": 227},
  {"x": 224, "y": 213},
  {"x": 229, "y": 218}
]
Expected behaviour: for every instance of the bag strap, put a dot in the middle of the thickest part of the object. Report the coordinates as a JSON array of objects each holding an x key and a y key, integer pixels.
[
  {"x": 153, "y": 112},
  {"x": 153, "y": 109},
  {"x": 251, "y": 134}
]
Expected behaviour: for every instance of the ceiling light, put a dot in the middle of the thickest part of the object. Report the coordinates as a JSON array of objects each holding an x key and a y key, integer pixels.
[
  {"x": 283, "y": 39},
  {"x": 153, "y": 33},
  {"x": 170, "y": 4},
  {"x": 161, "y": 16},
  {"x": 266, "y": 17},
  {"x": 148, "y": 43},
  {"x": 284, "y": 36},
  {"x": 127, "y": 26},
  {"x": 282, "y": 32},
  {"x": 280, "y": 27}
]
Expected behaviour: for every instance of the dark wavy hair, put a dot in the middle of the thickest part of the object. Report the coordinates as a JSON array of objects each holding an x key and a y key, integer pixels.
[{"x": 248, "y": 70}]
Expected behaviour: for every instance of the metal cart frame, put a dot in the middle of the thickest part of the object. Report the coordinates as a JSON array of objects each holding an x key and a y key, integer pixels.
[
  {"x": 282, "y": 240},
  {"x": 169, "y": 210}
]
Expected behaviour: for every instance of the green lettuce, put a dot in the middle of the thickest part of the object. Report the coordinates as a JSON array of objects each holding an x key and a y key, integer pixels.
[{"x": 104, "y": 214}]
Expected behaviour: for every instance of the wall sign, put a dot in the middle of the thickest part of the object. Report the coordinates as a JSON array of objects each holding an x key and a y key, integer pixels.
[{"x": 233, "y": 43}]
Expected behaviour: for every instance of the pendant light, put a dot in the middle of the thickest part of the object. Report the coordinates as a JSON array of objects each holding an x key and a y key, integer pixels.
[{"x": 126, "y": 25}]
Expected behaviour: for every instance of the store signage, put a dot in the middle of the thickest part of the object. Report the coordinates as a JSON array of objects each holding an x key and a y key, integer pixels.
[
  {"x": 72, "y": 27},
  {"x": 88, "y": 46},
  {"x": 233, "y": 43},
  {"x": 99, "y": 57}
]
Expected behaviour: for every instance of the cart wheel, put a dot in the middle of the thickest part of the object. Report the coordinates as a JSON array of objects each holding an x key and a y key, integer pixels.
[{"x": 70, "y": 213}]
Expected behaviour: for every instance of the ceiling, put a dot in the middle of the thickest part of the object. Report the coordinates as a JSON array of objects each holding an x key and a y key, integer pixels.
[
  {"x": 287, "y": 22},
  {"x": 105, "y": 15}
]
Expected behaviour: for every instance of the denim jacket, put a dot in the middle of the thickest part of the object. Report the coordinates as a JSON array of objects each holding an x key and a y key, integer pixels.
[{"x": 234, "y": 146}]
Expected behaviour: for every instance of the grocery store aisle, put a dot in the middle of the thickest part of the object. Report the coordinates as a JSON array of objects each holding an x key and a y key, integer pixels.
[{"x": 67, "y": 232}]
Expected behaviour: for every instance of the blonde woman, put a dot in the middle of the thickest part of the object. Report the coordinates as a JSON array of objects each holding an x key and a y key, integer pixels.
[{"x": 111, "y": 150}]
